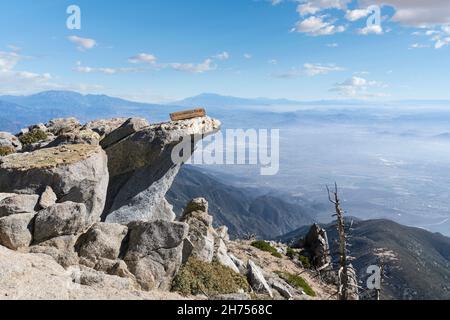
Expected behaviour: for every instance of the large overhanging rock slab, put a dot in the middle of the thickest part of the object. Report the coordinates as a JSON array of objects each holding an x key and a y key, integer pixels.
[
  {"x": 142, "y": 171},
  {"x": 76, "y": 173}
]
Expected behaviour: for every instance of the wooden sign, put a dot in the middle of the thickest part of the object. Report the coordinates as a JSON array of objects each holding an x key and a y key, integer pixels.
[{"x": 188, "y": 114}]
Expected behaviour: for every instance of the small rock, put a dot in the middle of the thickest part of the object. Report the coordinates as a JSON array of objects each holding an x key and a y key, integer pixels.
[
  {"x": 9, "y": 140},
  {"x": 48, "y": 198},
  {"x": 129, "y": 127},
  {"x": 103, "y": 240},
  {"x": 18, "y": 203},
  {"x": 65, "y": 218},
  {"x": 76, "y": 137},
  {"x": 62, "y": 125},
  {"x": 104, "y": 127},
  {"x": 239, "y": 264},
  {"x": 222, "y": 256},
  {"x": 283, "y": 290},
  {"x": 222, "y": 233},
  {"x": 15, "y": 230},
  {"x": 257, "y": 280}
]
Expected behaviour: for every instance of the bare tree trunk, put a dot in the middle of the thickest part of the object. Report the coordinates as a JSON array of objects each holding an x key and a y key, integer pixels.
[{"x": 343, "y": 263}]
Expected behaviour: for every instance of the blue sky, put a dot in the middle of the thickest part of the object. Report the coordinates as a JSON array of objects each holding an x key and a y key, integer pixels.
[{"x": 162, "y": 50}]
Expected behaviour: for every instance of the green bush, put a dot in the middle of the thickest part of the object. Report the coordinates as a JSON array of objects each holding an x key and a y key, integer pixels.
[
  {"x": 265, "y": 246},
  {"x": 305, "y": 261},
  {"x": 290, "y": 253},
  {"x": 6, "y": 150},
  {"x": 297, "y": 282},
  {"x": 33, "y": 137},
  {"x": 198, "y": 277}
]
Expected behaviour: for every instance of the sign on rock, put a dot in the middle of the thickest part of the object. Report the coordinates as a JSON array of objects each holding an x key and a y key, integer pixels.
[{"x": 188, "y": 114}]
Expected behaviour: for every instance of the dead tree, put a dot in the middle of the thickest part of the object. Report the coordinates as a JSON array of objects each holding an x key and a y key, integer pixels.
[{"x": 345, "y": 282}]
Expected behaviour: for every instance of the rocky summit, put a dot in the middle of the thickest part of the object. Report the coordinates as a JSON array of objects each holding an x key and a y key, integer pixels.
[{"x": 83, "y": 214}]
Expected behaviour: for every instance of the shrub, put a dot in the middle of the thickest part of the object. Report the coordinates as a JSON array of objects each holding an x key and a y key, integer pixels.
[
  {"x": 297, "y": 282},
  {"x": 33, "y": 136},
  {"x": 305, "y": 261},
  {"x": 6, "y": 150},
  {"x": 265, "y": 246},
  {"x": 198, "y": 277},
  {"x": 290, "y": 253}
]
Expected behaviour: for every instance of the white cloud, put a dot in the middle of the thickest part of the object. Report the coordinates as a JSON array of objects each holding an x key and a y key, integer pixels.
[
  {"x": 205, "y": 66},
  {"x": 418, "y": 46},
  {"x": 13, "y": 81},
  {"x": 275, "y": 2},
  {"x": 247, "y": 56},
  {"x": 417, "y": 13},
  {"x": 441, "y": 42},
  {"x": 332, "y": 45},
  {"x": 273, "y": 61},
  {"x": 109, "y": 71},
  {"x": 373, "y": 29},
  {"x": 83, "y": 43},
  {"x": 151, "y": 60},
  {"x": 8, "y": 60},
  {"x": 310, "y": 70},
  {"x": 354, "y": 15},
  {"x": 316, "y": 26},
  {"x": 325, "y": 4},
  {"x": 143, "y": 58},
  {"x": 307, "y": 9},
  {"x": 358, "y": 87},
  {"x": 222, "y": 56},
  {"x": 316, "y": 69}
]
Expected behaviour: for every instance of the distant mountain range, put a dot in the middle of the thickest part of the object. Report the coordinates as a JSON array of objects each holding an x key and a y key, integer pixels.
[
  {"x": 420, "y": 264},
  {"x": 244, "y": 211},
  {"x": 217, "y": 100},
  {"x": 20, "y": 111}
]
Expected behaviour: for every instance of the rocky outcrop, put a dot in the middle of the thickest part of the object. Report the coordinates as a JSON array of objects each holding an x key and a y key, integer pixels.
[
  {"x": 204, "y": 242},
  {"x": 141, "y": 169},
  {"x": 52, "y": 199},
  {"x": 29, "y": 276},
  {"x": 317, "y": 247},
  {"x": 76, "y": 173},
  {"x": 201, "y": 233}
]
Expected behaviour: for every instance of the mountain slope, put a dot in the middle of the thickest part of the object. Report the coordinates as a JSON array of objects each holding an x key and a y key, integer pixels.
[
  {"x": 242, "y": 210},
  {"x": 420, "y": 267}
]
